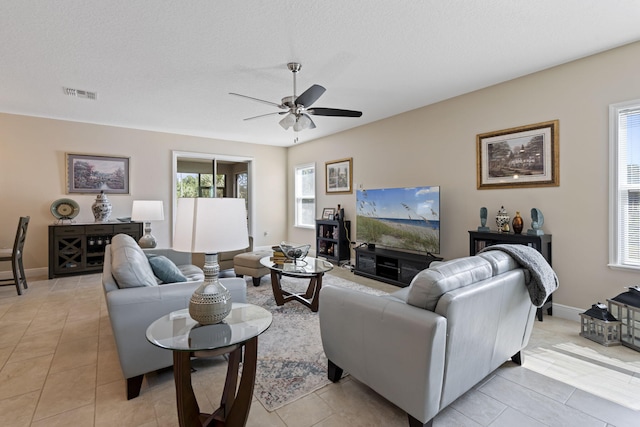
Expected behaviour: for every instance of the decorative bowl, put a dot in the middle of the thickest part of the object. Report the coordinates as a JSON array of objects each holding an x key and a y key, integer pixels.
[{"x": 293, "y": 252}]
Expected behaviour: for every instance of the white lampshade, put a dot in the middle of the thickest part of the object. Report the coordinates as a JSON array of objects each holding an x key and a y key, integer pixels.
[
  {"x": 147, "y": 210},
  {"x": 210, "y": 225}
]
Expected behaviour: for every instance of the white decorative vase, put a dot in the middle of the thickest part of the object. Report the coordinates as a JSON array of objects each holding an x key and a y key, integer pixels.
[
  {"x": 101, "y": 208},
  {"x": 502, "y": 220}
]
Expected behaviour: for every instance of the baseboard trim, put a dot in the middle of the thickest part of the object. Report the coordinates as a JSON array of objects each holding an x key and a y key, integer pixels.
[
  {"x": 29, "y": 272},
  {"x": 567, "y": 312}
]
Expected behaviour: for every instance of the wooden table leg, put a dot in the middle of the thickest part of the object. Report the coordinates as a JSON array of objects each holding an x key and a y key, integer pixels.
[
  {"x": 316, "y": 296},
  {"x": 234, "y": 405},
  {"x": 188, "y": 410},
  {"x": 277, "y": 290},
  {"x": 240, "y": 409}
]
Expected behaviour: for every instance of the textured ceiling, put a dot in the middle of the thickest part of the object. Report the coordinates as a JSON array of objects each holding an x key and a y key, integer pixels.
[{"x": 169, "y": 65}]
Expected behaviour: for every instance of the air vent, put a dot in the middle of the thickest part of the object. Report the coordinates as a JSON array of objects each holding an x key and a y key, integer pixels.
[{"x": 78, "y": 93}]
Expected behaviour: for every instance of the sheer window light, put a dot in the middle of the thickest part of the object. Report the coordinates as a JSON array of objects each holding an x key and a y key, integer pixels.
[
  {"x": 305, "y": 193},
  {"x": 624, "y": 191}
]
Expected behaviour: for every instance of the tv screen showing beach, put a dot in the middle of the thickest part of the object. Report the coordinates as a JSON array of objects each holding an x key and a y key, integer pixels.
[{"x": 402, "y": 218}]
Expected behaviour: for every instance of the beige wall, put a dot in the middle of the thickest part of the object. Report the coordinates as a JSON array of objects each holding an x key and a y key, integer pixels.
[
  {"x": 435, "y": 145},
  {"x": 32, "y": 176}
]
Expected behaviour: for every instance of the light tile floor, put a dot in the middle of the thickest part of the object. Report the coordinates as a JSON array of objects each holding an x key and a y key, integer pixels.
[{"x": 58, "y": 366}]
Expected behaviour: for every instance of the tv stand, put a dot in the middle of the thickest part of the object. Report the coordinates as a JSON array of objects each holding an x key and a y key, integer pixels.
[{"x": 389, "y": 266}]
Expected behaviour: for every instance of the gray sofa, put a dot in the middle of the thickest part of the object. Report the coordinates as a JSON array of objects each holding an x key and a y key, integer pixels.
[
  {"x": 424, "y": 346},
  {"x": 136, "y": 297}
]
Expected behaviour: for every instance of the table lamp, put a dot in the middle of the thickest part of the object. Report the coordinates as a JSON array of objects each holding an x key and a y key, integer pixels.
[
  {"x": 147, "y": 211},
  {"x": 209, "y": 226}
]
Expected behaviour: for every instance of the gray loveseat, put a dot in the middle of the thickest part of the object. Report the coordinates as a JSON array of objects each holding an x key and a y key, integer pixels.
[
  {"x": 136, "y": 297},
  {"x": 424, "y": 346}
]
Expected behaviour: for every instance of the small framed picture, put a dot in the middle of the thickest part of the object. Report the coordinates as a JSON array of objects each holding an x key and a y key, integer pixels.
[
  {"x": 328, "y": 213},
  {"x": 338, "y": 176}
]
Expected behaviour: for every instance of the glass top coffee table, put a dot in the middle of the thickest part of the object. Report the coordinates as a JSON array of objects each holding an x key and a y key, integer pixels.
[
  {"x": 307, "y": 268},
  {"x": 178, "y": 332}
]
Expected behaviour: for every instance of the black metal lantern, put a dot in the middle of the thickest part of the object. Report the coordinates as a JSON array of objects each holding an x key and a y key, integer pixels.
[
  {"x": 626, "y": 307},
  {"x": 599, "y": 325}
]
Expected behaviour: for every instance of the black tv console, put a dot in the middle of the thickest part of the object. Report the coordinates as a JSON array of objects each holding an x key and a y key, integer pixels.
[{"x": 389, "y": 266}]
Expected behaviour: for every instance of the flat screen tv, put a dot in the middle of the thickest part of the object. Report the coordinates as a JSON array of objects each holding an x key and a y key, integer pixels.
[{"x": 401, "y": 218}]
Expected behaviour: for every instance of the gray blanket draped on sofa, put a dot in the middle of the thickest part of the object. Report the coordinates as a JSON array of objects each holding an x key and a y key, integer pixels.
[{"x": 542, "y": 280}]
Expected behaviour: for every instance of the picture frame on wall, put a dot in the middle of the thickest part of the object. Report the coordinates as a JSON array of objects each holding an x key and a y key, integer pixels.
[
  {"x": 91, "y": 174},
  {"x": 328, "y": 213},
  {"x": 520, "y": 157},
  {"x": 338, "y": 176}
]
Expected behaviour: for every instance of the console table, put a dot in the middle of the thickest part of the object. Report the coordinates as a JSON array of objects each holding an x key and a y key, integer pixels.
[
  {"x": 479, "y": 240},
  {"x": 79, "y": 248}
]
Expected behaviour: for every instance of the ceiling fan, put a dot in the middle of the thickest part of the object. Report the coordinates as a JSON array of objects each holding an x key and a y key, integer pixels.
[{"x": 298, "y": 108}]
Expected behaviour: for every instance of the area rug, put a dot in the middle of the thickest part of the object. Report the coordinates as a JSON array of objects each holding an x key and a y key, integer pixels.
[{"x": 291, "y": 361}]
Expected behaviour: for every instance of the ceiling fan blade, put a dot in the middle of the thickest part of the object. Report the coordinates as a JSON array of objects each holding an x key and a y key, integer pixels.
[
  {"x": 334, "y": 112},
  {"x": 263, "y": 115},
  {"x": 257, "y": 99},
  {"x": 310, "y": 95}
]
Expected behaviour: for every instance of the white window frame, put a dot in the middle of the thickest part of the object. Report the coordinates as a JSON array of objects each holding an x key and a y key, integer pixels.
[
  {"x": 620, "y": 239},
  {"x": 298, "y": 197}
]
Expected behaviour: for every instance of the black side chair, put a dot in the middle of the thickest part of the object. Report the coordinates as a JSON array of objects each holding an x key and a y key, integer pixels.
[{"x": 15, "y": 256}]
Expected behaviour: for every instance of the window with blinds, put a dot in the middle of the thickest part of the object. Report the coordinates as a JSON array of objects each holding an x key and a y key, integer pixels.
[
  {"x": 625, "y": 185},
  {"x": 305, "y": 191}
]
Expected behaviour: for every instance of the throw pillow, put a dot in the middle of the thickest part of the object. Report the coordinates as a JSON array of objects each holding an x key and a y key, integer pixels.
[
  {"x": 129, "y": 265},
  {"x": 165, "y": 270}
]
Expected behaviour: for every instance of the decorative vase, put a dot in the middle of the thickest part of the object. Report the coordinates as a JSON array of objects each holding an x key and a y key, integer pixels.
[
  {"x": 101, "y": 208},
  {"x": 517, "y": 223},
  {"x": 502, "y": 220}
]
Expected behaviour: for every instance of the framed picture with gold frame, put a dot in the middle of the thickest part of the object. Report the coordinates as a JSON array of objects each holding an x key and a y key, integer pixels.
[
  {"x": 338, "y": 176},
  {"x": 525, "y": 156}
]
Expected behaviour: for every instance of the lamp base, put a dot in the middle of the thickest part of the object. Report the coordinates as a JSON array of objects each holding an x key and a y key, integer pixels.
[
  {"x": 211, "y": 302},
  {"x": 147, "y": 241}
]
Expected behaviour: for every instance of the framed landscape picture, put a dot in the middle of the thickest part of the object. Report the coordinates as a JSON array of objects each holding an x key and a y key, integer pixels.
[
  {"x": 92, "y": 174},
  {"x": 339, "y": 179},
  {"x": 526, "y": 156}
]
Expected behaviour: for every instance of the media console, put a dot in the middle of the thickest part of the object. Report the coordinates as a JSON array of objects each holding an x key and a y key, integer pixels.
[{"x": 394, "y": 267}]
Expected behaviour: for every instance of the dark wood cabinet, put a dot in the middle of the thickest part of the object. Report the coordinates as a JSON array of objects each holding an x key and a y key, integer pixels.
[
  {"x": 479, "y": 240},
  {"x": 79, "y": 248},
  {"x": 332, "y": 239},
  {"x": 394, "y": 267}
]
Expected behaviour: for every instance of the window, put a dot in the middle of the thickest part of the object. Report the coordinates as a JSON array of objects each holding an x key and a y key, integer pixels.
[
  {"x": 305, "y": 193},
  {"x": 624, "y": 190},
  {"x": 221, "y": 186},
  {"x": 242, "y": 190}
]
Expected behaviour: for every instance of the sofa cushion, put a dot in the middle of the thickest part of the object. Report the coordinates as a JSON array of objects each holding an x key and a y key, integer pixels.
[
  {"x": 165, "y": 270},
  {"x": 129, "y": 265},
  {"x": 192, "y": 272},
  {"x": 429, "y": 285}
]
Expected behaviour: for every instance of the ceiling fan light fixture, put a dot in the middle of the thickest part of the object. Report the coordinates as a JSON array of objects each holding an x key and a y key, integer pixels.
[
  {"x": 288, "y": 121},
  {"x": 303, "y": 122}
]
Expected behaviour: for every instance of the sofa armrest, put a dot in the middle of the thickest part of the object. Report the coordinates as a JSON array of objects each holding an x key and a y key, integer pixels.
[
  {"x": 178, "y": 258},
  {"x": 396, "y": 349}
]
